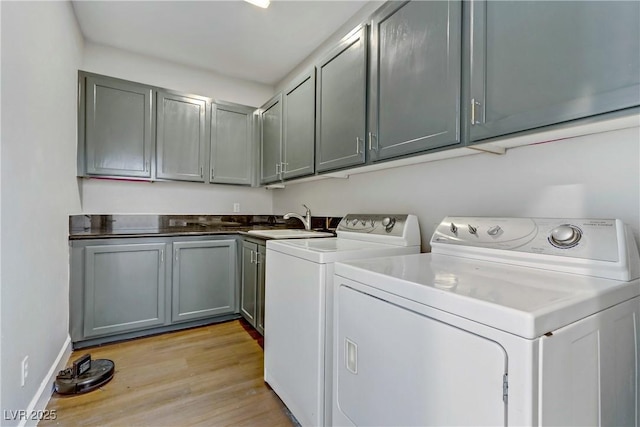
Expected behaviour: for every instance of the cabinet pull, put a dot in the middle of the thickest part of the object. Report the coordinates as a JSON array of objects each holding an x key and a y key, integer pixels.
[
  {"x": 176, "y": 254},
  {"x": 161, "y": 256},
  {"x": 257, "y": 257},
  {"x": 146, "y": 166},
  {"x": 212, "y": 175},
  {"x": 357, "y": 145},
  {"x": 283, "y": 168},
  {"x": 371, "y": 137},
  {"x": 474, "y": 105},
  {"x": 201, "y": 172},
  {"x": 278, "y": 166},
  {"x": 251, "y": 261}
]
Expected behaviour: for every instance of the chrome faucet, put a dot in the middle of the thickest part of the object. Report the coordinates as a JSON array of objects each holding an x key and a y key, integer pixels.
[{"x": 306, "y": 220}]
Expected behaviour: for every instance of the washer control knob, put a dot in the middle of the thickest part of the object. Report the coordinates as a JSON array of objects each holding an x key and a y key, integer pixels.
[
  {"x": 363, "y": 222},
  {"x": 453, "y": 228},
  {"x": 494, "y": 231},
  {"x": 472, "y": 229},
  {"x": 388, "y": 223},
  {"x": 373, "y": 223},
  {"x": 354, "y": 222},
  {"x": 565, "y": 236}
]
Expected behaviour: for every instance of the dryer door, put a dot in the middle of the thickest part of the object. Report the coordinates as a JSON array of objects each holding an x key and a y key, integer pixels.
[{"x": 397, "y": 367}]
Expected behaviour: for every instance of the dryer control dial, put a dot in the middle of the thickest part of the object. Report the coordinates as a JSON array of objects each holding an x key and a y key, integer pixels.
[
  {"x": 388, "y": 223},
  {"x": 565, "y": 236}
]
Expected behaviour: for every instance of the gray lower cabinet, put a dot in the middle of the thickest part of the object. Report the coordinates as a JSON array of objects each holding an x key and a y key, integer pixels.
[
  {"x": 252, "y": 283},
  {"x": 124, "y": 287},
  {"x": 271, "y": 140},
  {"x": 232, "y": 144},
  {"x": 414, "y": 85},
  {"x": 115, "y": 128},
  {"x": 534, "y": 63},
  {"x": 298, "y": 145},
  {"x": 180, "y": 137},
  {"x": 204, "y": 278},
  {"x": 341, "y": 104}
]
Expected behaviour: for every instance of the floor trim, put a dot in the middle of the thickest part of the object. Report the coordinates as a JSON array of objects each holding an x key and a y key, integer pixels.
[{"x": 39, "y": 402}]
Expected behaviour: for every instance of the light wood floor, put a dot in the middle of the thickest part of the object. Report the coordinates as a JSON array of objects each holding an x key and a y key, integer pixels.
[{"x": 209, "y": 376}]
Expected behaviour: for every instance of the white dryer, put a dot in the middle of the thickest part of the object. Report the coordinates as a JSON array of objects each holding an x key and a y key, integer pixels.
[
  {"x": 509, "y": 321},
  {"x": 299, "y": 305}
]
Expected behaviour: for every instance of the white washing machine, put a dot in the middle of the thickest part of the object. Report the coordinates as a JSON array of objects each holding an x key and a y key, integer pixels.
[
  {"x": 299, "y": 310},
  {"x": 509, "y": 321}
]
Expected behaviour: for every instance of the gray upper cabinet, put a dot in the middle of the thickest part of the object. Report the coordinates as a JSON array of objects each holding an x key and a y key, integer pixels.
[
  {"x": 180, "y": 137},
  {"x": 232, "y": 145},
  {"x": 539, "y": 63},
  {"x": 124, "y": 288},
  {"x": 299, "y": 103},
  {"x": 115, "y": 126},
  {"x": 341, "y": 104},
  {"x": 204, "y": 279},
  {"x": 414, "y": 86},
  {"x": 271, "y": 140}
]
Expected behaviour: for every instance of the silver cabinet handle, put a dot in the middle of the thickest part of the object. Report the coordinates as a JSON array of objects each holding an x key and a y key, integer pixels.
[
  {"x": 176, "y": 254},
  {"x": 283, "y": 168},
  {"x": 371, "y": 137},
  {"x": 357, "y": 145},
  {"x": 474, "y": 105},
  {"x": 201, "y": 172},
  {"x": 146, "y": 166},
  {"x": 161, "y": 256},
  {"x": 257, "y": 258},
  {"x": 212, "y": 175},
  {"x": 278, "y": 166},
  {"x": 251, "y": 260}
]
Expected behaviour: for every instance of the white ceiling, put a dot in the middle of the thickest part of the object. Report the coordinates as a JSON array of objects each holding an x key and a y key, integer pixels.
[{"x": 233, "y": 38}]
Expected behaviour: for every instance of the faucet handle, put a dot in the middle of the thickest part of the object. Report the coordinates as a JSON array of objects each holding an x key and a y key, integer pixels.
[{"x": 307, "y": 207}]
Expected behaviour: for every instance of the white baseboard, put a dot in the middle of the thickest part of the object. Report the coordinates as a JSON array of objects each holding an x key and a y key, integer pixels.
[{"x": 42, "y": 397}]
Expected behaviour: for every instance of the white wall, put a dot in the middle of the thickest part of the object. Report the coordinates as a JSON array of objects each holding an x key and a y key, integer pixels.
[
  {"x": 595, "y": 176},
  {"x": 178, "y": 198},
  {"x": 109, "y": 197},
  {"x": 41, "y": 52}
]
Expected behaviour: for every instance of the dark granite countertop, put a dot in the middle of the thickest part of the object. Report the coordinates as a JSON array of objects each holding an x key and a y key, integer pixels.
[{"x": 126, "y": 226}]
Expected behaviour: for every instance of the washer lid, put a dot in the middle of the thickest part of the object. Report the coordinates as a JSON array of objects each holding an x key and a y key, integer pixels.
[
  {"x": 328, "y": 250},
  {"x": 524, "y": 301}
]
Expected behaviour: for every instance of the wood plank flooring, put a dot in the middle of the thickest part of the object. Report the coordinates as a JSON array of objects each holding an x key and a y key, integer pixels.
[{"x": 209, "y": 376}]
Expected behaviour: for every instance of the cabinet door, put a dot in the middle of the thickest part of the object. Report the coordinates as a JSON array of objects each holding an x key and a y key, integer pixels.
[
  {"x": 180, "y": 137},
  {"x": 118, "y": 130},
  {"x": 261, "y": 257},
  {"x": 341, "y": 104},
  {"x": 124, "y": 288},
  {"x": 299, "y": 126},
  {"x": 248, "y": 291},
  {"x": 539, "y": 63},
  {"x": 231, "y": 144},
  {"x": 414, "y": 89},
  {"x": 271, "y": 141},
  {"x": 204, "y": 279}
]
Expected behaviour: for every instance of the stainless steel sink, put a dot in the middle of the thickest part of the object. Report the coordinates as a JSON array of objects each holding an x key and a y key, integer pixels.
[{"x": 289, "y": 234}]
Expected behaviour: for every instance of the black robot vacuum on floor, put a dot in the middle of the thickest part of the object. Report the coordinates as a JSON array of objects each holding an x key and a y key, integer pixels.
[{"x": 85, "y": 375}]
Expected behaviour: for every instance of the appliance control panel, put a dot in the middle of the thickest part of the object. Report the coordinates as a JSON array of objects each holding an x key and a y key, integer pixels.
[
  {"x": 395, "y": 229},
  {"x": 559, "y": 242},
  {"x": 390, "y": 224}
]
